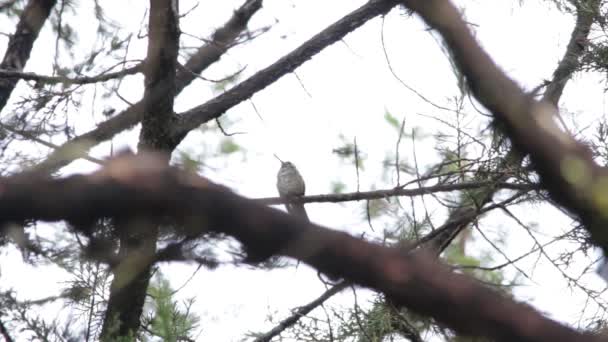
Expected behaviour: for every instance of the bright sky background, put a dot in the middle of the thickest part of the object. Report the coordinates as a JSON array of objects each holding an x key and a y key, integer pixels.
[{"x": 348, "y": 88}]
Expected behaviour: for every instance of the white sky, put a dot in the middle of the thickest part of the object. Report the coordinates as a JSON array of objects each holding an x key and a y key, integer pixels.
[{"x": 350, "y": 88}]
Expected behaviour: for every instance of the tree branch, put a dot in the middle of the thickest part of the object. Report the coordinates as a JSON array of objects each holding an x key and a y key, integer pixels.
[
  {"x": 21, "y": 42},
  {"x": 288, "y": 63},
  {"x": 138, "y": 240},
  {"x": 301, "y": 312},
  {"x": 562, "y": 74},
  {"x": 379, "y": 194},
  {"x": 566, "y": 167},
  {"x": 144, "y": 186},
  {"x": 106, "y": 76}
]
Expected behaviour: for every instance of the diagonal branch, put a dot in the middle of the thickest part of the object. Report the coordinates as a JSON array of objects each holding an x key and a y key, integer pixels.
[
  {"x": 21, "y": 43},
  {"x": 144, "y": 186},
  {"x": 462, "y": 217},
  {"x": 217, "y": 106},
  {"x": 223, "y": 39},
  {"x": 301, "y": 312},
  {"x": 566, "y": 167}
]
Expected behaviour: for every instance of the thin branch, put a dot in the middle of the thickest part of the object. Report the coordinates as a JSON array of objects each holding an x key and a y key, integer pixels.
[
  {"x": 107, "y": 76},
  {"x": 379, "y": 194},
  {"x": 301, "y": 312},
  {"x": 44, "y": 142}
]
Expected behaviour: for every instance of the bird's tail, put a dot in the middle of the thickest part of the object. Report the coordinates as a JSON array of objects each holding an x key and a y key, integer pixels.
[{"x": 298, "y": 210}]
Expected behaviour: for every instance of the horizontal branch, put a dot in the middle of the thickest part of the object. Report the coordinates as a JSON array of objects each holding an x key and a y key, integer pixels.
[
  {"x": 144, "y": 186},
  {"x": 107, "y": 76},
  {"x": 378, "y": 194}
]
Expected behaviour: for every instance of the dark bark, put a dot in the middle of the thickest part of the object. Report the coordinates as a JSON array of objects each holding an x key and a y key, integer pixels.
[
  {"x": 463, "y": 217},
  {"x": 144, "y": 186},
  {"x": 20, "y": 44},
  {"x": 223, "y": 39},
  {"x": 566, "y": 167},
  {"x": 570, "y": 62},
  {"x": 138, "y": 237}
]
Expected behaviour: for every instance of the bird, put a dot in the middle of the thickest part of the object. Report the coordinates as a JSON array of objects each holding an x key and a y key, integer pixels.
[{"x": 290, "y": 184}]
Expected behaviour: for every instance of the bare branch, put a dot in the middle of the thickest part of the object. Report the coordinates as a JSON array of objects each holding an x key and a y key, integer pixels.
[
  {"x": 288, "y": 63},
  {"x": 576, "y": 46},
  {"x": 301, "y": 312},
  {"x": 378, "y": 194},
  {"x": 30, "y": 76}
]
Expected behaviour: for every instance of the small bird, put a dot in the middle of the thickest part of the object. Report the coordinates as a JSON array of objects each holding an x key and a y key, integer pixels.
[{"x": 291, "y": 184}]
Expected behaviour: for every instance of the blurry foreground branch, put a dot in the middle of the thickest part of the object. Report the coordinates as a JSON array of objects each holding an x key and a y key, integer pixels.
[
  {"x": 144, "y": 186},
  {"x": 566, "y": 167}
]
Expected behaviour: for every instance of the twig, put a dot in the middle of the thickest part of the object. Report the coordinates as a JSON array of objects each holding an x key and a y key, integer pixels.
[
  {"x": 378, "y": 194},
  {"x": 30, "y": 76}
]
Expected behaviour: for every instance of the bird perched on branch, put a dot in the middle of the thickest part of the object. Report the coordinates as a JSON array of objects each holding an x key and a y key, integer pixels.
[{"x": 291, "y": 185}]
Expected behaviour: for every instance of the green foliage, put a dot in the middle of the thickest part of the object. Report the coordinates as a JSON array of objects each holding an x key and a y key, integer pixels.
[
  {"x": 349, "y": 151},
  {"x": 187, "y": 162},
  {"x": 168, "y": 321},
  {"x": 376, "y": 207},
  {"x": 392, "y": 121},
  {"x": 112, "y": 332},
  {"x": 228, "y": 146},
  {"x": 337, "y": 187}
]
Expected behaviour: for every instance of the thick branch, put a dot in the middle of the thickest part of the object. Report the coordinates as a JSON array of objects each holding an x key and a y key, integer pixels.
[
  {"x": 221, "y": 41},
  {"x": 570, "y": 62},
  {"x": 462, "y": 217},
  {"x": 21, "y": 42},
  {"x": 566, "y": 166},
  {"x": 144, "y": 186}
]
